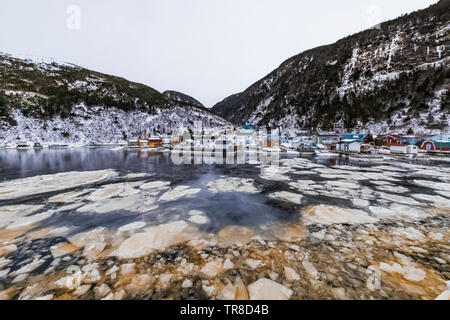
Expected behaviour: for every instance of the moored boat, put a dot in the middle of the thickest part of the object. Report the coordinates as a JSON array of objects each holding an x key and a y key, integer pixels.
[{"x": 23, "y": 145}]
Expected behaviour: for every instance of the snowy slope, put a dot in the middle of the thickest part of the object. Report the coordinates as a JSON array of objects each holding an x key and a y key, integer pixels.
[
  {"x": 104, "y": 125},
  {"x": 395, "y": 78},
  {"x": 53, "y": 102}
]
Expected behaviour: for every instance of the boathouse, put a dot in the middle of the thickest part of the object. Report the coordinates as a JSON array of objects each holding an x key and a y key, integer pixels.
[
  {"x": 404, "y": 148},
  {"x": 154, "y": 142},
  {"x": 388, "y": 140},
  {"x": 349, "y": 146},
  {"x": 428, "y": 146},
  {"x": 361, "y": 137}
]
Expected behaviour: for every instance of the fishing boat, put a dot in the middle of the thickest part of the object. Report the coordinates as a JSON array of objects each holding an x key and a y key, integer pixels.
[
  {"x": 10, "y": 146},
  {"x": 322, "y": 152},
  {"x": 22, "y": 145},
  {"x": 326, "y": 154}
]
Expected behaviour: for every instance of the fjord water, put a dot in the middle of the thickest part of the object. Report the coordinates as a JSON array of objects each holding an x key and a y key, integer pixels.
[{"x": 318, "y": 228}]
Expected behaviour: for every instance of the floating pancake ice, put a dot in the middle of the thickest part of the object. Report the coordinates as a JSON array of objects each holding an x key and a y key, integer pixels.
[
  {"x": 200, "y": 233},
  {"x": 397, "y": 198},
  {"x": 432, "y": 185},
  {"x": 107, "y": 192},
  {"x": 395, "y": 189},
  {"x": 303, "y": 185},
  {"x": 10, "y": 215},
  {"x": 132, "y": 226},
  {"x": 232, "y": 184},
  {"x": 328, "y": 215},
  {"x": 287, "y": 196},
  {"x": 178, "y": 193},
  {"x": 398, "y": 212},
  {"x": 435, "y": 200},
  {"x": 357, "y": 202},
  {"x": 233, "y": 235},
  {"x": 110, "y": 205},
  {"x": 156, "y": 185},
  {"x": 69, "y": 197},
  {"x": 274, "y": 173},
  {"x": 343, "y": 184},
  {"x": 199, "y": 219},
  {"x": 156, "y": 238}
]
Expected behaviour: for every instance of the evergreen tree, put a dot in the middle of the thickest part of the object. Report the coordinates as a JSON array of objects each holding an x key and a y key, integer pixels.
[{"x": 3, "y": 106}]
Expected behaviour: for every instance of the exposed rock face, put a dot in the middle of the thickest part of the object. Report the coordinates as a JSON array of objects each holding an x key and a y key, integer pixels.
[
  {"x": 178, "y": 97},
  {"x": 395, "y": 76}
]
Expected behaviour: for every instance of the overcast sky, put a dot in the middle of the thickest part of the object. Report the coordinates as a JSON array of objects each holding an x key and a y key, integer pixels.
[{"x": 205, "y": 48}]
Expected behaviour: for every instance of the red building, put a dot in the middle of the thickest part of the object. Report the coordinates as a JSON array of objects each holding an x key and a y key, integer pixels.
[
  {"x": 428, "y": 146},
  {"x": 389, "y": 140}
]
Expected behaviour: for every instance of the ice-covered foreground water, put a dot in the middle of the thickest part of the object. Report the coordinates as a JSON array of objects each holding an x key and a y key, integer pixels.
[{"x": 109, "y": 224}]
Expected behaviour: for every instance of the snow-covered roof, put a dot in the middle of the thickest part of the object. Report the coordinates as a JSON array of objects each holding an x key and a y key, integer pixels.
[{"x": 349, "y": 141}]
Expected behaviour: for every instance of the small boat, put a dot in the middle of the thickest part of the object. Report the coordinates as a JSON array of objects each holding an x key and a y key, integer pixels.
[
  {"x": 92, "y": 144},
  {"x": 23, "y": 145},
  {"x": 38, "y": 145},
  {"x": 326, "y": 154},
  {"x": 323, "y": 152}
]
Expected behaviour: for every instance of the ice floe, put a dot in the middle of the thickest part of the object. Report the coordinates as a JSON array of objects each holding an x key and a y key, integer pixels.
[
  {"x": 69, "y": 197},
  {"x": 156, "y": 238},
  {"x": 287, "y": 196},
  {"x": 109, "y": 205},
  {"x": 436, "y": 200},
  {"x": 433, "y": 185},
  {"x": 397, "y": 198},
  {"x": 156, "y": 185},
  {"x": 274, "y": 173},
  {"x": 107, "y": 192},
  {"x": 266, "y": 289},
  {"x": 232, "y": 184},
  {"x": 179, "y": 192},
  {"x": 199, "y": 219},
  {"x": 18, "y": 214},
  {"x": 52, "y": 183},
  {"x": 132, "y": 226},
  {"x": 398, "y": 212},
  {"x": 396, "y": 189},
  {"x": 323, "y": 214}
]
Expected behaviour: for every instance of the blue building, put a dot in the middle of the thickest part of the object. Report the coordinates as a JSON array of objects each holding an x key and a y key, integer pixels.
[
  {"x": 249, "y": 127},
  {"x": 354, "y": 137}
]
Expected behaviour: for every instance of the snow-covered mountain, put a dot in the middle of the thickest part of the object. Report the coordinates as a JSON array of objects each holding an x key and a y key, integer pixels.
[
  {"x": 42, "y": 100},
  {"x": 392, "y": 78}
]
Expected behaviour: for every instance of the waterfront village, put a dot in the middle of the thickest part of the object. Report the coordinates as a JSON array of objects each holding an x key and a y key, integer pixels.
[{"x": 355, "y": 145}]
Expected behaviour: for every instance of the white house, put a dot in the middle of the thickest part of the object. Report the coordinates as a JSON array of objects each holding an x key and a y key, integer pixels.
[
  {"x": 405, "y": 149},
  {"x": 349, "y": 146}
]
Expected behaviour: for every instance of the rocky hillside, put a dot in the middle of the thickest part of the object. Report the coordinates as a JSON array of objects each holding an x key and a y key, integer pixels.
[
  {"x": 395, "y": 78},
  {"x": 48, "y": 101},
  {"x": 181, "y": 98}
]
